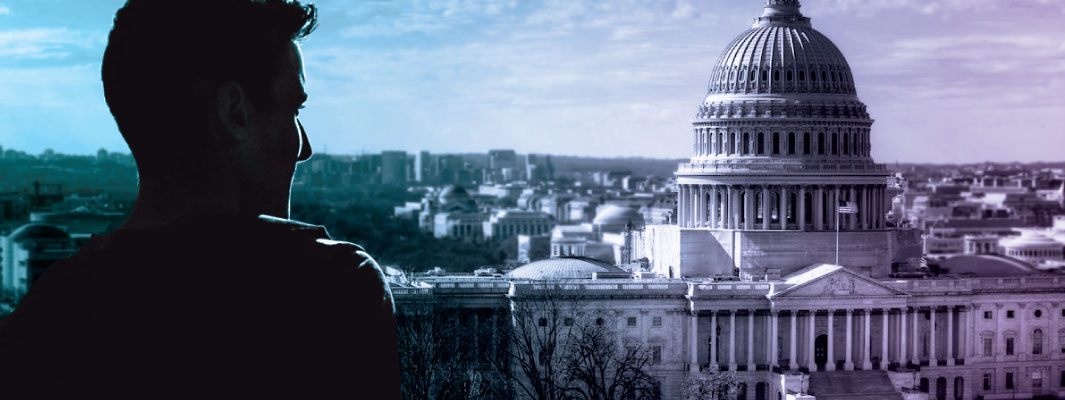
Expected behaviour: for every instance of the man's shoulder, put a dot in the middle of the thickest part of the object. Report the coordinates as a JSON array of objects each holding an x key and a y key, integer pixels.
[{"x": 314, "y": 240}]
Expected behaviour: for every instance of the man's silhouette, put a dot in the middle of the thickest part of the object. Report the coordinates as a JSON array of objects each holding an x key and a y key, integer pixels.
[{"x": 207, "y": 291}]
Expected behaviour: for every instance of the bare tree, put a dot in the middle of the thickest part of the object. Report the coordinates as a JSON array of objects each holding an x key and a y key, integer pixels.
[
  {"x": 708, "y": 385},
  {"x": 433, "y": 361},
  {"x": 559, "y": 350},
  {"x": 534, "y": 344},
  {"x": 597, "y": 368}
]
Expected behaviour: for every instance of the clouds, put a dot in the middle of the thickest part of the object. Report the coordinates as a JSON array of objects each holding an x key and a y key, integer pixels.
[
  {"x": 45, "y": 43},
  {"x": 594, "y": 77},
  {"x": 5, "y": 10}
]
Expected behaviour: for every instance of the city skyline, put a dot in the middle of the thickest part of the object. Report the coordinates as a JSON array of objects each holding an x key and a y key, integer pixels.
[{"x": 944, "y": 80}]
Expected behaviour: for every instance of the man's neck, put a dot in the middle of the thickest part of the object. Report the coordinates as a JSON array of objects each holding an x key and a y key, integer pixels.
[{"x": 161, "y": 202}]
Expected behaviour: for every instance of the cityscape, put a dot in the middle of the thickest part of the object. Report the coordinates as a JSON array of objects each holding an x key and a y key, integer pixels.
[{"x": 778, "y": 260}]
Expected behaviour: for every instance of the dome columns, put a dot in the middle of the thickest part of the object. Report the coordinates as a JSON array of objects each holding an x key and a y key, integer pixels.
[{"x": 780, "y": 207}]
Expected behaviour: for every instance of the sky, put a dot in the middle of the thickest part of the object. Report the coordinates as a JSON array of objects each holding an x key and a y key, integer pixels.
[{"x": 947, "y": 81}]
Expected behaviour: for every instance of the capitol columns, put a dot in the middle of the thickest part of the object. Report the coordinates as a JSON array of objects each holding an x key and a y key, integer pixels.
[
  {"x": 732, "y": 340},
  {"x": 766, "y": 213},
  {"x": 802, "y": 208},
  {"x": 793, "y": 363},
  {"x": 848, "y": 364},
  {"x": 950, "y": 335},
  {"x": 774, "y": 316},
  {"x": 724, "y": 217},
  {"x": 750, "y": 341},
  {"x": 884, "y": 358},
  {"x": 902, "y": 336},
  {"x": 681, "y": 192},
  {"x": 748, "y": 207},
  {"x": 783, "y": 213},
  {"x": 916, "y": 338},
  {"x": 713, "y": 206},
  {"x": 811, "y": 361},
  {"x": 852, "y": 219},
  {"x": 831, "y": 340},
  {"x": 713, "y": 341},
  {"x": 693, "y": 342},
  {"x": 867, "y": 363},
  {"x": 819, "y": 208},
  {"x": 932, "y": 337}
]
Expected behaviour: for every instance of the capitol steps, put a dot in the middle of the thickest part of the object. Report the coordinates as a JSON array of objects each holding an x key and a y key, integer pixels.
[{"x": 863, "y": 385}]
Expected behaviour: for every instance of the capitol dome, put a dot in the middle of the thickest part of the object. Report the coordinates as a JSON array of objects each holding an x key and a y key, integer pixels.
[
  {"x": 563, "y": 268},
  {"x": 781, "y": 53},
  {"x": 780, "y": 141}
]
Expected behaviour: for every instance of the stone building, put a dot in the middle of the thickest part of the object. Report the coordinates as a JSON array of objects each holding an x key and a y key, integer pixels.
[{"x": 747, "y": 278}]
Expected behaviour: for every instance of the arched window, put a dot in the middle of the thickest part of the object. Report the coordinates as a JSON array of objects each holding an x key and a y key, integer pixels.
[
  {"x": 731, "y": 141},
  {"x": 761, "y": 144},
  {"x": 776, "y": 143},
  {"x": 821, "y": 143},
  {"x": 802, "y": 75},
  {"x": 824, "y": 75},
  {"x": 845, "y": 144},
  {"x": 776, "y": 75},
  {"x": 1037, "y": 342},
  {"x": 752, "y": 76},
  {"x": 720, "y": 138},
  {"x": 743, "y": 75},
  {"x": 765, "y": 75},
  {"x": 746, "y": 143},
  {"x": 787, "y": 75},
  {"x": 835, "y": 143},
  {"x": 791, "y": 142},
  {"x": 813, "y": 76},
  {"x": 806, "y": 143}
]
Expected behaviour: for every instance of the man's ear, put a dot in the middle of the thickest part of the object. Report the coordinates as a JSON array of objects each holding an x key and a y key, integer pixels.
[{"x": 234, "y": 110}]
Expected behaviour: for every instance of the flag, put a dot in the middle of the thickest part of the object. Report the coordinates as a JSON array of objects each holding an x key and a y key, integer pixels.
[{"x": 848, "y": 207}]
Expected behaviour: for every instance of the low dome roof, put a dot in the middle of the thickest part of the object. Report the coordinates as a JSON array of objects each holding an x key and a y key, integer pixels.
[
  {"x": 616, "y": 214},
  {"x": 986, "y": 266},
  {"x": 563, "y": 268},
  {"x": 1030, "y": 241},
  {"x": 37, "y": 231}
]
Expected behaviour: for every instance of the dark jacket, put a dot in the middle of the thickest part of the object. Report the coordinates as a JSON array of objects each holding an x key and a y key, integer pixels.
[{"x": 228, "y": 307}]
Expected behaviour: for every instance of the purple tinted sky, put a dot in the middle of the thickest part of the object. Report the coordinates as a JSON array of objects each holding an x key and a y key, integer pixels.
[{"x": 946, "y": 80}]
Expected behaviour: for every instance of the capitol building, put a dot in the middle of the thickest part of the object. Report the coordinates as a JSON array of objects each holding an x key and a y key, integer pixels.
[{"x": 760, "y": 274}]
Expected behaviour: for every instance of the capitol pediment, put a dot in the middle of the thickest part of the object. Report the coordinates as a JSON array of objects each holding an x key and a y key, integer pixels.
[{"x": 833, "y": 281}]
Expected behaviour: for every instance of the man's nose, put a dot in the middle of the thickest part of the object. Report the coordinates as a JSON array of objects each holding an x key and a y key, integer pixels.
[{"x": 305, "y": 143}]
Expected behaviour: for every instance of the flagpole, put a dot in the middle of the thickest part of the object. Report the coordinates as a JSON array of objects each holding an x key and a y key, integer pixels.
[{"x": 837, "y": 233}]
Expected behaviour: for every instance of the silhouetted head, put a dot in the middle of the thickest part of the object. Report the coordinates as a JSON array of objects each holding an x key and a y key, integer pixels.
[{"x": 201, "y": 88}]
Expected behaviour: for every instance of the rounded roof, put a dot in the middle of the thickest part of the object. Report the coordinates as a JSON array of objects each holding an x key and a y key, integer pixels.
[
  {"x": 1030, "y": 240},
  {"x": 37, "y": 231},
  {"x": 781, "y": 53},
  {"x": 563, "y": 268},
  {"x": 615, "y": 214},
  {"x": 452, "y": 192},
  {"x": 986, "y": 266}
]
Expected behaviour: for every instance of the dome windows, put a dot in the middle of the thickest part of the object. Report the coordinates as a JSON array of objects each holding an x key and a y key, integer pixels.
[
  {"x": 787, "y": 75},
  {"x": 776, "y": 75},
  {"x": 765, "y": 75},
  {"x": 776, "y": 143},
  {"x": 806, "y": 143},
  {"x": 791, "y": 142},
  {"x": 760, "y": 148},
  {"x": 746, "y": 143},
  {"x": 802, "y": 75},
  {"x": 821, "y": 143}
]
